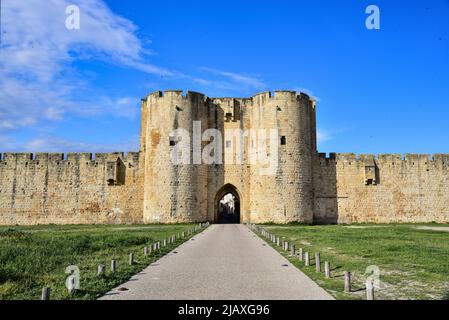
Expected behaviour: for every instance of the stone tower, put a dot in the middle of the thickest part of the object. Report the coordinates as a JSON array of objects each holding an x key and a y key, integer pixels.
[
  {"x": 260, "y": 152},
  {"x": 279, "y": 189}
]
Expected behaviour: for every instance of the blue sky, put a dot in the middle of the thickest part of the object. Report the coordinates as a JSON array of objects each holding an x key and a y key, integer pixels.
[{"x": 378, "y": 91}]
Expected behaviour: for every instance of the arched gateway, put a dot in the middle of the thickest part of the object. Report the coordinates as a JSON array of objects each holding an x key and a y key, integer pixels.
[{"x": 227, "y": 205}]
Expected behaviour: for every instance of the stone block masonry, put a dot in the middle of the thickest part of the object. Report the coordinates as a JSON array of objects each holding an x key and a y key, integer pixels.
[
  {"x": 147, "y": 187},
  {"x": 78, "y": 188},
  {"x": 386, "y": 188}
]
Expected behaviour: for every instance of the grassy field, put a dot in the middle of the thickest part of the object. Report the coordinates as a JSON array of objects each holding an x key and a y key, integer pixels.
[
  {"x": 413, "y": 261},
  {"x": 34, "y": 257}
]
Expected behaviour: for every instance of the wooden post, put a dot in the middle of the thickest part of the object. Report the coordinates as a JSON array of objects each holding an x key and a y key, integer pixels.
[
  {"x": 145, "y": 251},
  {"x": 306, "y": 259},
  {"x": 100, "y": 271},
  {"x": 278, "y": 241},
  {"x": 317, "y": 262},
  {"x": 327, "y": 269},
  {"x": 45, "y": 293},
  {"x": 369, "y": 290},
  {"x": 71, "y": 288},
  {"x": 131, "y": 259},
  {"x": 301, "y": 254},
  {"x": 113, "y": 266},
  {"x": 347, "y": 281},
  {"x": 292, "y": 250},
  {"x": 164, "y": 243}
]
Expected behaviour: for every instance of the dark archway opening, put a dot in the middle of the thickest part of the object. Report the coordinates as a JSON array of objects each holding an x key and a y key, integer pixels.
[
  {"x": 227, "y": 205},
  {"x": 229, "y": 209}
]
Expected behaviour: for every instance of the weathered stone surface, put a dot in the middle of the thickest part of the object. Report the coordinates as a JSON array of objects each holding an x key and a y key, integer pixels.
[{"x": 146, "y": 187}]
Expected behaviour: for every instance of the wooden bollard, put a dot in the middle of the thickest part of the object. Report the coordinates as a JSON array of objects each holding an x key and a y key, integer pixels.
[
  {"x": 101, "y": 270},
  {"x": 317, "y": 262},
  {"x": 347, "y": 281},
  {"x": 131, "y": 259},
  {"x": 113, "y": 266},
  {"x": 145, "y": 251},
  {"x": 301, "y": 254},
  {"x": 71, "y": 287},
  {"x": 369, "y": 290},
  {"x": 278, "y": 241},
  {"x": 327, "y": 269},
  {"x": 292, "y": 250},
  {"x": 286, "y": 246},
  {"x": 164, "y": 243},
  {"x": 45, "y": 293},
  {"x": 306, "y": 259}
]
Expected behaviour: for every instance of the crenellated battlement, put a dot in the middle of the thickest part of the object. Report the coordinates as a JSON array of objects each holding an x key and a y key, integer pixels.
[
  {"x": 175, "y": 95},
  {"x": 67, "y": 158},
  {"x": 382, "y": 159},
  {"x": 257, "y": 99}
]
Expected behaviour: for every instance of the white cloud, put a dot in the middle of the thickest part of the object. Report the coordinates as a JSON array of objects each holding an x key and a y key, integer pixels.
[
  {"x": 235, "y": 80},
  {"x": 39, "y": 81},
  {"x": 37, "y": 78},
  {"x": 309, "y": 93},
  {"x": 323, "y": 136},
  {"x": 48, "y": 143}
]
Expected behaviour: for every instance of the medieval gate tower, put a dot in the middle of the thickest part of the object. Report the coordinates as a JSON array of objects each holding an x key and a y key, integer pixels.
[
  {"x": 147, "y": 186},
  {"x": 190, "y": 192}
]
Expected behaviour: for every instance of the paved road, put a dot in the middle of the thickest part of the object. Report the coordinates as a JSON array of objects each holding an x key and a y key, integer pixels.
[{"x": 221, "y": 263}]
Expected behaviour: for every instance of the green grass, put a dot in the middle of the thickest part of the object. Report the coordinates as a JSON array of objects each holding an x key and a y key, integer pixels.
[
  {"x": 413, "y": 263},
  {"x": 34, "y": 257}
]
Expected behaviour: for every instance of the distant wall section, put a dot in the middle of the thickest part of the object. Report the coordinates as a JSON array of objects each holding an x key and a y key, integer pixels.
[
  {"x": 386, "y": 188},
  {"x": 79, "y": 188}
]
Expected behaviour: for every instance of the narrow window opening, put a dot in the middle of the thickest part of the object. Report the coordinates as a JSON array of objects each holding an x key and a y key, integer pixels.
[
  {"x": 172, "y": 141},
  {"x": 283, "y": 141}
]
